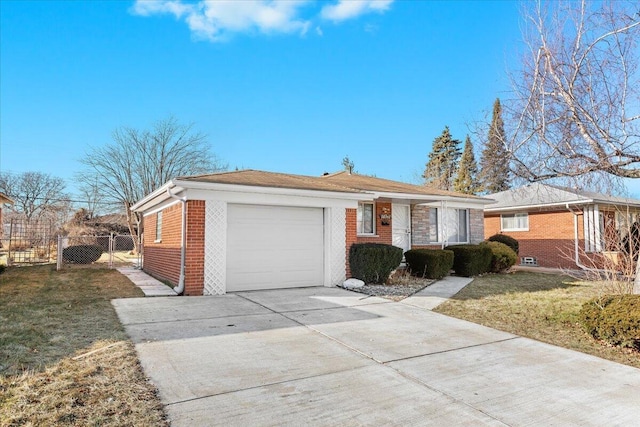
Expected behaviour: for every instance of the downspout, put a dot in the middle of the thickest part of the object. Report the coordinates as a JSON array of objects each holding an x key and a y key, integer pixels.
[
  {"x": 577, "y": 244},
  {"x": 183, "y": 241}
]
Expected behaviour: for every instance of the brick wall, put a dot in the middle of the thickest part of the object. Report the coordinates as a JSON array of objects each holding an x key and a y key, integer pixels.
[
  {"x": 550, "y": 238},
  {"x": 476, "y": 225},
  {"x": 419, "y": 225},
  {"x": 383, "y": 232},
  {"x": 162, "y": 259},
  {"x": 194, "y": 263}
]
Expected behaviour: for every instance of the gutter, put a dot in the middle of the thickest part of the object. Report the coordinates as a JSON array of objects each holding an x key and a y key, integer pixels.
[{"x": 183, "y": 241}]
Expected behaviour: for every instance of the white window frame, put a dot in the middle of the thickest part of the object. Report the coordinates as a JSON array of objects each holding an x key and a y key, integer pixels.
[
  {"x": 158, "y": 227},
  {"x": 441, "y": 226},
  {"x": 360, "y": 222},
  {"x": 516, "y": 216}
]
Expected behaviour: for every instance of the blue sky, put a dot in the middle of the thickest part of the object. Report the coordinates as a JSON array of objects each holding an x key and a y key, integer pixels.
[{"x": 279, "y": 86}]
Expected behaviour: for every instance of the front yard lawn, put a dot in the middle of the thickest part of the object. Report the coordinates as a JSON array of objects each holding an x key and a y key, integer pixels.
[
  {"x": 540, "y": 306},
  {"x": 64, "y": 356}
]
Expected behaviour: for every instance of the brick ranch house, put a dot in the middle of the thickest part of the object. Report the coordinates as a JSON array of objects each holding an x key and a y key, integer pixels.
[
  {"x": 249, "y": 229},
  {"x": 560, "y": 227}
]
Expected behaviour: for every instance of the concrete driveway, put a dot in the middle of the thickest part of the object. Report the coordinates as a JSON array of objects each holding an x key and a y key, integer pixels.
[{"x": 326, "y": 356}]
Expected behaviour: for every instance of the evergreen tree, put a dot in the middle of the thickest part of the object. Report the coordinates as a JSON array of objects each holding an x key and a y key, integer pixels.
[
  {"x": 494, "y": 164},
  {"x": 442, "y": 166},
  {"x": 467, "y": 180}
]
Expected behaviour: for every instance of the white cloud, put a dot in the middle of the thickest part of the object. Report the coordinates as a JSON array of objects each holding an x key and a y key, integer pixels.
[
  {"x": 216, "y": 19},
  {"x": 349, "y": 9}
]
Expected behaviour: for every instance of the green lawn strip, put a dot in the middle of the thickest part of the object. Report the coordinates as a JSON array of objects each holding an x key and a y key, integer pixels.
[{"x": 540, "y": 306}]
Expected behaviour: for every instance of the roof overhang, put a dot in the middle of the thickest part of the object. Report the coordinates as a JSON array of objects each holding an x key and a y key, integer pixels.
[
  {"x": 177, "y": 186},
  {"x": 429, "y": 198}
]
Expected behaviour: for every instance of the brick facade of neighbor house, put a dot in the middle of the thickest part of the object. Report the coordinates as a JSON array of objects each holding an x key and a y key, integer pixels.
[
  {"x": 550, "y": 238},
  {"x": 162, "y": 258}
]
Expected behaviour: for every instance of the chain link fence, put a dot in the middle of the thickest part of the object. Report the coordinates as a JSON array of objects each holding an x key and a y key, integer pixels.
[
  {"x": 27, "y": 242},
  {"x": 110, "y": 251}
]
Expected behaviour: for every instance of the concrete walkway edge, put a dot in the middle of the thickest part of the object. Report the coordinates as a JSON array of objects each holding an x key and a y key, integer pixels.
[
  {"x": 150, "y": 286},
  {"x": 438, "y": 292}
]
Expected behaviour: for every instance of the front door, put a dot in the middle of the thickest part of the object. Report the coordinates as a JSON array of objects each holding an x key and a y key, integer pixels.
[{"x": 401, "y": 226}]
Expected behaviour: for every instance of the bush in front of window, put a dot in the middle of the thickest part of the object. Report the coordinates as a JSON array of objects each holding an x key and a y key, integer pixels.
[
  {"x": 373, "y": 262},
  {"x": 82, "y": 254},
  {"x": 429, "y": 263},
  {"x": 470, "y": 260},
  {"x": 502, "y": 256},
  {"x": 614, "y": 319},
  {"x": 507, "y": 240}
]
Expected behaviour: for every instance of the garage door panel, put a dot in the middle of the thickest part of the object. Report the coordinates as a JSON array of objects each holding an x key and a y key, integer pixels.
[{"x": 274, "y": 247}]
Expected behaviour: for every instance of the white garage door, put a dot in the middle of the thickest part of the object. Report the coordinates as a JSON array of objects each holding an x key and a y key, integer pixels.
[{"x": 270, "y": 247}]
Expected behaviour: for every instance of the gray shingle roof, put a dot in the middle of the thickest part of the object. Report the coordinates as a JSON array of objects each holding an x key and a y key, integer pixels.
[{"x": 538, "y": 195}]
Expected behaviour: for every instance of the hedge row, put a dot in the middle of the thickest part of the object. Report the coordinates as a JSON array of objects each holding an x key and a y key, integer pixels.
[
  {"x": 613, "y": 319},
  {"x": 429, "y": 263},
  {"x": 373, "y": 262}
]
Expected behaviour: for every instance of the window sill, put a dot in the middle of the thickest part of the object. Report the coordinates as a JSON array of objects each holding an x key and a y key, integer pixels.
[
  {"x": 367, "y": 235},
  {"x": 157, "y": 241},
  {"x": 511, "y": 230}
]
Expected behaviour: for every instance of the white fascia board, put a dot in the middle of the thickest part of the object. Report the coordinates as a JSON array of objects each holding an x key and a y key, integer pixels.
[
  {"x": 271, "y": 199},
  {"x": 235, "y": 188},
  {"x": 540, "y": 206},
  {"x": 156, "y": 197},
  {"x": 425, "y": 199}
]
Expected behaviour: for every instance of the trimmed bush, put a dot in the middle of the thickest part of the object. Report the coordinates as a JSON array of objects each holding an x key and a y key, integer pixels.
[
  {"x": 613, "y": 319},
  {"x": 507, "y": 240},
  {"x": 429, "y": 263},
  {"x": 82, "y": 254},
  {"x": 502, "y": 256},
  {"x": 470, "y": 260},
  {"x": 373, "y": 262},
  {"x": 2, "y": 268}
]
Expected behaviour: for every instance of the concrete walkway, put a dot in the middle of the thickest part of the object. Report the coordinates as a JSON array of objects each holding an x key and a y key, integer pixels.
[
  {"x": 150, "y": 286},
  {"x": 438, "y": 292},
  {"x": 330, "y": 357}
]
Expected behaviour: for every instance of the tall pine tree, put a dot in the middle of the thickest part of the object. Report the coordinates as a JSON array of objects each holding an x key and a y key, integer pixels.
[
  {"x": 494, "y": 164},
  {"x": 467, "y": 180},
  {"x": 441, "y": 169}
]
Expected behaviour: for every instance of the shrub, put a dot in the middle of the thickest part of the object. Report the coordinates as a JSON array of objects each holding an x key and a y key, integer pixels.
[
  {"x": 470, "y": 260},
  {"x": 429, "y": 263},
  {"x": 2, "y": 268},
  {"x": 507, "y": 240},
  {"x": 502, "y": 256},
  {"x": 613, "y": 319},
  {"x": 82, "y": 254},
  {"x": 373, "y": 262}
]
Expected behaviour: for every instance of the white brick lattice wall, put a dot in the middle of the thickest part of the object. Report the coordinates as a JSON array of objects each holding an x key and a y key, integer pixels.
[
  {"x": 338, "y": 242},
  {"x": 215, "y": 248}
]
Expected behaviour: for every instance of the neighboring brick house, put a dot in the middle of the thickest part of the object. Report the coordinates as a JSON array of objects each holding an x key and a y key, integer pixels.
[
  {"x": 249, "y": 229},
  {"x": 560, "y": 227}
]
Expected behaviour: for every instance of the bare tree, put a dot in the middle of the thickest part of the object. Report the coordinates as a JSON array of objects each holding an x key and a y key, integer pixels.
[
  {"x": 576, "y": 108},
  {"x": 138, "y": 162},
  {"x": 35, "y": 194},
  {"x": 576, "y": 104}
]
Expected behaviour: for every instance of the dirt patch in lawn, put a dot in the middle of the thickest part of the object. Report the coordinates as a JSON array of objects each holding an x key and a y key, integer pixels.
[
  {"x": 540, "y": 306},
  {"x": 64, "y": 356}
]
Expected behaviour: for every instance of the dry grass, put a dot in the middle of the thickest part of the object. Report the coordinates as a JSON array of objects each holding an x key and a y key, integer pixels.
[
  {"x": 47, "y": 318},
  {"x": 540, "y": 306}
]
